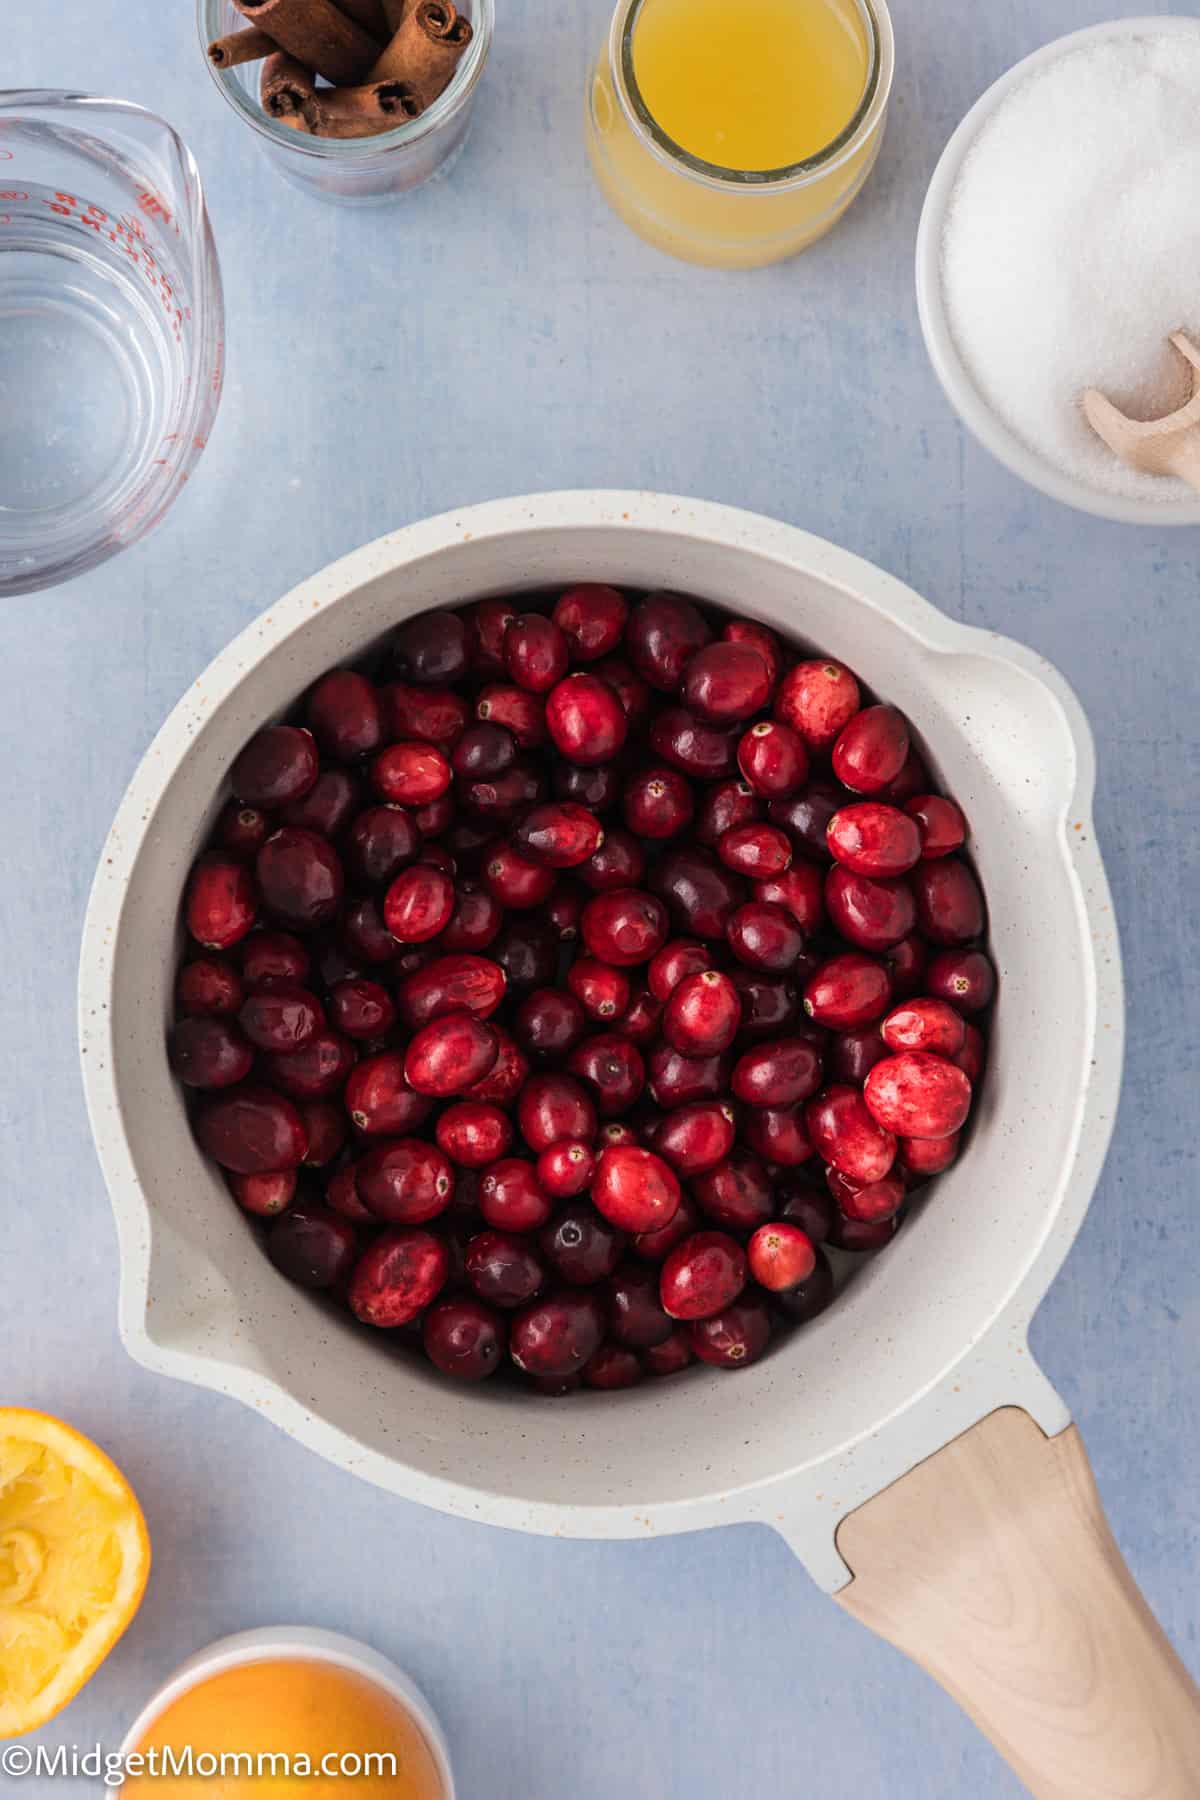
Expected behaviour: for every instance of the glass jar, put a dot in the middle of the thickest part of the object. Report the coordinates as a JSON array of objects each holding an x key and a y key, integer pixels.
[
  {"x": 727, "y": 218},
  {"x": 365, "y": 170}
]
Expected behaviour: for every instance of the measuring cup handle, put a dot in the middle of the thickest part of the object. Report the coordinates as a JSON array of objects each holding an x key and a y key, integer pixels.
[{"x": 992, "y": 1565}]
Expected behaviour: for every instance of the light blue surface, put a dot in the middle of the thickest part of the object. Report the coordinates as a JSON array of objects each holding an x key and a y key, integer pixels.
[{"x": 497, "y": 334}]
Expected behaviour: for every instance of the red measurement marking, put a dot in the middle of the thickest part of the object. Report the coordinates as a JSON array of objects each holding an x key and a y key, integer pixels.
[
  {"x": 7, "y": 155},
  {"x": 13, "y": 194},
  {"x": 151, "y": 204},
  {"x": 68, "y": 198},
  {"x": 5, "y": 218}
]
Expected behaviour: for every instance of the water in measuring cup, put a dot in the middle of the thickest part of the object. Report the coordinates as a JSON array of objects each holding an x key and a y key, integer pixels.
[{"x": 89, "y": 355}]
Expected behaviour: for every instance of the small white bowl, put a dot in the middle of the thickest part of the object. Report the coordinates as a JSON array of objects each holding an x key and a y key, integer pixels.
[
  {"x": 974, "y": 410},
  {"x": 299, "y": 1643}
]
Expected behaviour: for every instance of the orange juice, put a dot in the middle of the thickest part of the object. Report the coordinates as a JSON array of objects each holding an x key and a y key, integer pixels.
[
  {"x": 736, "y": 132},
  {"x": 297, "y": 1708}
]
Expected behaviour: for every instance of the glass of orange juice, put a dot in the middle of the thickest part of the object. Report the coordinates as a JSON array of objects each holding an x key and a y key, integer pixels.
[
  {"x": 737, "y": 132},
  {"x": 285, "y": 1713}
]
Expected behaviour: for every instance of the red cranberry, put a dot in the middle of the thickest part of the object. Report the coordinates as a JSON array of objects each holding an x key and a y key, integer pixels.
[
  {"x": 871, "y": 749},
  {"x": 597, "y": 788},
  {"x": 566, "y": 1169},
  {"x": 665, "y": 631},
  {"x": 504, "y": 1271},
  {"x": 312, "y": 1246},
  {"x": 691, "y": 746},
  {"x": 398, "y": 1276},
  {"x": 800, "y": 891},
  {"x": 726, "y": 682},
  {"x": 918, "y": 1096},
  {"x": 613, "y": 1066},
  {"x": 624, "y": 927},
  {"x": 487, "y": 623},
  {"x": 463, "y": 1338},
  {"x": 300, "y": 878},
  {"x": 949, "y": 903},
  {"x": 410, "y": 774},
  {"x": 781, "y": 1256},
  {"x": 805, "y": 816},
  {"x": 736, "y": 1194},
  {"x": 971, "y": 1058},
  {"x": 344, "y": 715},
  {"x": 924, "y": 1025},
  {"x": 265, "y": 1196},
  {"x": 845, "y": 1133},
  {"x": 586, "y": 720},
  {"x": 332, "y": 962},
  {"x": 278, "y": 764},
  {"x": 778, "y": 1134},
  {"x": 702, "y": 1016},
  {"x": 592, "y": 617},
  {"x": 906, "y": 963},
  {"x": 872, "y": 914},
  {"x": 328, "y": 806},
  {"x": 760, "y": 851},
  {"x": 555, "y": 1337},
  {"x": 674, "y": 963},
  {"x": 630, "y": 689},
  {"x": 274, "y": 956},
  {"x": 654, "y": 1246},
  {"x": 734, "y": 1338},
  {"x": 635, "y": 1315},
  {"x": 320, "y": 1068},
  {"x": 514, "y": 881},
  {"x": 676, "y": 1079},
  {"x": 432, "y": 648},
  {"x": 725, "y": 806},
  {"x": 535, "y": 652},
  {"x": 436, "y": 817},
  {"x": 365, "y": 935},
  {"x": 405, "y": 1182},
  {"x": 251, "y": 1131},
  {"x": 450, "y": 1054},
  {"x": 209, "y": 988},
  {"x": 912, "y": 780},
  {"x": 810, "y": 1299},
  {"x": 379, "y": 1099},
  {"x": 511, "y": 1198},
  {"x": 517, "y": 710},
  {"x": 764, "y": 937},
  {"x": 853, "y": 1054},
  {"x": 818, "y": 700},
  {"x": 210, "y": 1053},
  {"x": 642, "y": 1017},
  {"x": 559, "y": 835},
  {"x": 327, "y": 1128},
  {"x": 701, "y": 895},
  {"x": 475, "y": 984},
  {"x": 548, "y": 1023},
  {"x": 474, "y": 1133},
  {"x": 602, "y": 991},
  {"x": 760, "y": 638},
  {"x": 634, "y": 1189},
  {"x": 873, "y": 839},
  {"x": 527, "y": 951},
  {"x": 281, "y": 1017},
  {"x": 221, "y": 903},
  {"x": 861, "y": 1235},
  {"x": 811, "y": 1208},
  {"x": 505, "y": 1080},
  {"x": 430, "y": 715},
  {"x": 658, "y": 803},
  {"x": 928, "y": 1156},
  {"x": 552, "y": 1108},
  {"x": 580, "y": 1245},
  {"x": 618, "y": 863},
  {"x": 499, "y": 802},
  {"x": 940, "y": 825},
  {"x": 361, "y": 1009},
  {"x": 963, "y": 978},
  {"x": 483, "y": 752},
  {"x": 382, "y": 841},
  {"x": 612, "y": 1368},
  {"x": 242, "y": 831},
  {"x": 870, "y": 1203},
  {"x": 695, "y": 1138},
  {"x": 848, "y": 990},
  {"x": 670, "y": 1357},
  {"x": 770, "y": 1004},
  {"x": 418, "y": 904},
  {"x": 702, "y": 1275},
  {"x": 773, "y": 759},
  {"x": 475, "y": 921}
]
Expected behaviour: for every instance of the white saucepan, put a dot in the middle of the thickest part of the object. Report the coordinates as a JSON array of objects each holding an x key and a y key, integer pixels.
[{"x": 905, "y": 1444}]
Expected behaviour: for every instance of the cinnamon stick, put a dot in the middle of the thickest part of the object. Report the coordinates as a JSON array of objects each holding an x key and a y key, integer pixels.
[
  {"x": 250, "y": 45},
  {"x": 289, "y": 92},
  {"x": 371, "y": 15},
  {"x": 355, "y": 112},
  {"x": 395, "y": 11},
  {"x": 318, "y": 35},
  {"x": 425, "y": 50}
]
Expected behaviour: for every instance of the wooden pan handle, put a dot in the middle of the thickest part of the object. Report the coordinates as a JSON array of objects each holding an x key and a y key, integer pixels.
[{"x": 993, "y": 1567}]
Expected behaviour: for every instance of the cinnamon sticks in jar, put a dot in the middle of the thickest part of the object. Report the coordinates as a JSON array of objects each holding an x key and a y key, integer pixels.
[{"x": 347, "y": 68}]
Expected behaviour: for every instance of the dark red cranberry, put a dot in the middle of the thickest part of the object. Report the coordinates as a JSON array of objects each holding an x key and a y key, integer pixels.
[
  {"x": 848, "y": 990},
  {"x": 772, "y": 759},
  {"x": 520, "y": 712},
  {"x": 640, "y": 1022},
  {"x": 382, "y": 841},
  {"x": 873, "y": 839},
  {"x": 853, "y": 1054},
  {"x": 514, "y": 881},
  {"x": 431, "y": 649},
  {"x": 592, "y": 618},
  {"x": 658, "y": 803},
  {"x": 618, "y": 863},
  {"x": 810, "y": 1299},
  {"x": 300, "y": 878},
  {"x": 624, "y": 927},
  {"x": 726, "y": 682},
  {"x": 535, "y": 652},
  {"x": 633, "y": 693},
  {"x": 430, "y": 715},
  {"x": 736, "y": 1337},
  {"x": 871, "y": 749},
  {"x": 265, "y": 1196},
  {"x": 806, "y": 815},
  {"x": 757, "y": 851},
  {"x": 328, "y": 806},
  {"x": 702, "y": 1016},
  {"x": 675, "y": 1080},
  {"x": 949, "y": 902},
  {"x": 379, "y": 1099},
  {"x": 549, "y": 1023},
  {"x": 778, "y": 1134},
  {"x": 800, "y": 890},
  {"x": 963, "y": 978},
  {"x": 702, "y": 1275},
  {"x": 474, "y": 1133},
  {"x": 483, "y": 752},
  {"x": 279, "y": 764},
  {"x": 504, "y": 1271},
  {"x": 872, "y": 914},
  {"x": 410, "y": 774},
  {"x": 566, "y": 1169},
  {"x": 818, "y": 700},
  {"x": 635, "y": 1315},
  {"x": 312, "y": 1246},
  {"x": 923, "y": 1157},
  {"x": 405, "y": 1182},
  {"x": 555, "y": 1337},
  {"x": 332, "y": 962},
  {"x": 770, "y": 1004},
  {"x": 504, "y": 1081},
  {"x": 634, "y": 1189},
  {"x": 930, "y": 1025},
  {"x": 846, "y": 1134},
  {"x": 450, "y": 1054},
  {"x": 916, "y": 1095},
  {"x": 912, "y": 780},
  {"x": 464, "y": 1338},
  {"x": 688, "y": 744},
  {"x": 701, "y": 895},
  {"x": 344, "y": 715},
  {"x": 665, "y": 631},
  {"x": 221, "y": 903},
  {"x": 612, "y": 1369},
  {"x": 327, "y": 1127},
  {"x": 501, "y": 800},
  {"x": 281, "y": 1017},
  {"x": 654, "y": 1246},
  {"x": 475, "y": 984},
  {"x": 940, "y": 825},
  {"x": 812, "y": 1208},
  {"x": 511, "y": 1198},
  {"x": 554, "y": 1107},
  {"x": 613, "y": 1066},
  {"x": 476, "y": 920},
  {"x": 781, "y": 1256},
  {"x": 674, "y": 963},
  {"x": 251, "y": 1131},
  {"x": 317, "y": 1070},
  {"x": 209, "y": 988},
  {"x": 736, "y": 1194},
  {"x": 210, "y": 1053},
  {"x": 398, "y": 1276},
  {"x": 760, "y": 638},
  {"x": 274, "y": 956},
  {"x": 601, "y": 990},
  {"x": 695, "y": 1138},
  {"x": 597, "y": 788},
  {"x": 436, "y": 817},
  {"x": 527, "y": 950},
  {"x": 361, "y": 1009},
  {"x": 871, "y": 1203},
  {"x": 580, "y": 1245},
  {"x": 242, "y": 830},
  {"x": 906, "y": 963},
  {"x": 764, "y": 937},
  {"x": 487, "y": 623},
  {"x": 559, "y": 835},
  {"x": 670, "y": 1357},
  {"x": 586, "y": 719},
  {"x": 418, "y": 904},
  {"x": 725, "y": 806},
  {"x": 341, "y": 1193},
  {"x": 859, "y": 1235},
  {"x": 367, "y": 940}
]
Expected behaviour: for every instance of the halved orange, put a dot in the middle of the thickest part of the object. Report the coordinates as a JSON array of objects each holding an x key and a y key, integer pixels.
[{"x": 74, "y": 1557}]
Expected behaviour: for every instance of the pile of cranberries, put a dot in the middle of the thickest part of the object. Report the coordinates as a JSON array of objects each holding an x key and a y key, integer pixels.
[{"x": 564, "y": 980}]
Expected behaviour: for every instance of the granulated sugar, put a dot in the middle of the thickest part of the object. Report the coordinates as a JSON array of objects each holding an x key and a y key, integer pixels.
[{"x": 1072, "y": 248}]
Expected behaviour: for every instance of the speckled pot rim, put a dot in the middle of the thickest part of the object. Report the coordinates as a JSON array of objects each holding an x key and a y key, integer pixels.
[{"x": 803, "y": 1500}]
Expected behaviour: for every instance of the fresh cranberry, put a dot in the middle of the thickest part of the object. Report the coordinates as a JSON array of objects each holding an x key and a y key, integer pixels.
[
  {"x": 554, "y": 1337},
  {"x": 511, "y": 1198},
  {"x": 210, "y": 1053},
  {"x": 906, "y": 963},
  {"x": 805, "y": 816},
  {"x": 760, "y": 638},
  {"x": 654, "y": 1246},
  {"x": 963, "y": 978},
  {"x": 566, "y": 1169},
  {"x": 517, "y": 710},
  {"x": 344, "y": 715},
  {"x": 611, "y": 1369},
  {"x": 242, "y": 830},
  {"x": 633, "y": 693},
  {"x": 341, "y": 1193},
  {"x": 535, "y": 652},
  {"x": 912, "y": 780},
  {"x": 474, "y": 1133},
  {"x": 924, "y": 1025},
  {"x": 327, "y": 1127},
  {"x": 736, "y": 1194},
  {"x": 597, "y": 788},
  {"x": 674, "y": 963},
  {"x": 949, "y": 902},
  {"x": 736, "y": 1337},
  {"x": 418, "y": 904},
  {"x": 670, "y": 1357},
  {"x": 361, "y": 1009},
  {"x": 726, "y": 682},
  {"x": 701, "y": 895},
  {"x": 592, "y": 617},
  {"x": 702, "y": 1016},
  {"x": 781, "y": 1256},
  {"x": 328, "y": 806},
  {"x": 665, "y": 631},
  {"x": 799, "y": 890},
  {"x": 475, "y": 984},
  {"x": 724, "y": 806},
  {"x": 811, "y": 1208},
  {"x": 770, "y": 1004},
  {"x": 450, "y": 1054},
  {"x": 500, "y": 801},
  {"x": 695, "y": 1138},
  {"x": 251, "y": 1131},
  {"x": 312, "y": 1246},
  {"x": 702, "y": 1275},
  {"x": 300, "y": 878},
  {"x": 209, "y": 988},
  {"x": 772, "y": 759},
  {"x": 873, "y": 839},
  {"x": 380, "y": 1101},
  {"x": 635, "y": 1315},
  {"x": 613, "y": 1066},
  {"x": 279, "y": 764},
  {"x": 405, "y": 1181},
  {"x": 318, "y": 1069},
  {"x": 602, "y": 991},
  {"x": 429, "y": 715},
  {"x": 586, "y": 720},
  {"x": 764, "y": 937},
  {"x": 552, "y": 1108},
  {"x": 548, "y": 1023},
  {"x": 691, "y": 746},
  {"x": 382, "y": 841},
  {"x": 332, "y": 962},
  {"x": 778, "y": 1134},
  {"x": 916, "y": 1095},
  {"x": 818, "y": 700},
  {"x": 221, "y": 903},
  {"x": 759, "y": 851},
  {"x": 430, "y": 649},
  {"x": 527, "y": 951},
  {"x": 848, "y": 990},
  {"x": 853, "y": 1054},
  {"x": 265, "y": 1196},
  {"x": 634, "y": 1189},
  {"x": 862, "y": 1235},
  {"x": 559, "y": 835},
  {"x": 872, "y": 914},
  {"x": 868, "y": 1203},
  {"x": 624, "y": 927},
  {"x": 658, "y": 803},
  {"x": 580, "y": 1245},
  {"x": 398, "y": 1276},
  {"x": 463, "y": 1338},
  {"x": 928, "y": 1156},
  {"x": 365, "y": 934},
  {"x": 940, "y": 825},
  {"x": 476, "y": 920},
  {"x": 871, "y": 749},
  {"x": 410, "y": 774},
  {"x": 514, "y": 881},
  {"x": 845, "y": 1133},
  {"x": 281, "y": 1017},
  {"x": 435, "y": 817},
  {"x": 505, "y": 1079},
  {"x": 619, "y": 863},
  {"x": 483, "y": 752},
  {"x": 504, "y": 1271},
  {"x": 810, "y": 1299},
  {"x": 971, "y": 1058},
  {"x": 486, "y": 625},
  {"x": 675, "y": 1079}
]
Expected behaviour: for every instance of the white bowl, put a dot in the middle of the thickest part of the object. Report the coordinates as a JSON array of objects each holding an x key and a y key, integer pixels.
[
  {"x": 298, "y": 1643},
  {"x": 929, "y": 1337},
  {"x": 975, "y": 411}
]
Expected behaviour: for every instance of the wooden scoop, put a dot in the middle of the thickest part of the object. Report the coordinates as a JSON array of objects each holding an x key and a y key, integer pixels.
[{"x": 1169, "y": 446}]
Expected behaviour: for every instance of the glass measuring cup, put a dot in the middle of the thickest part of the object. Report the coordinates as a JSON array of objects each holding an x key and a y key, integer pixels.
[{"x": 111, "y": 330}]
